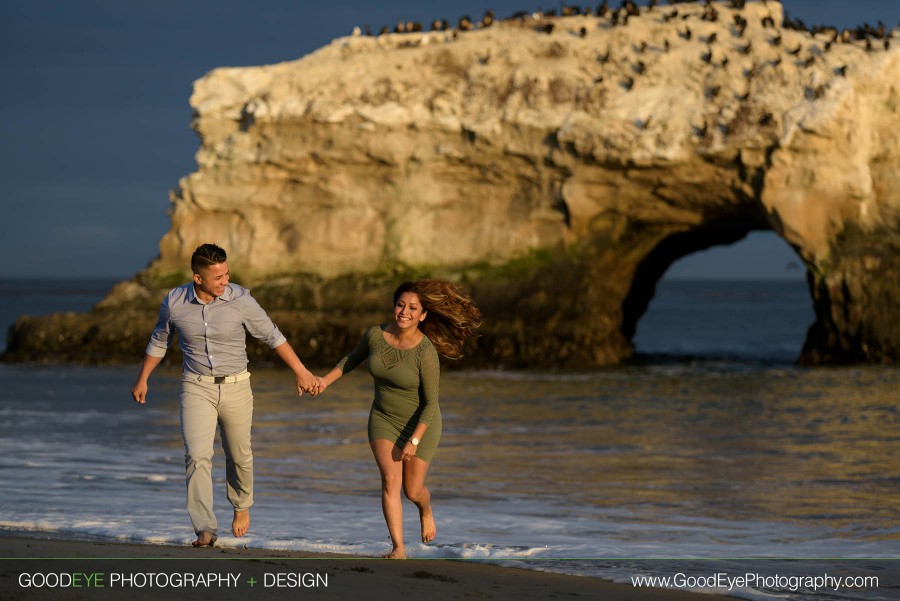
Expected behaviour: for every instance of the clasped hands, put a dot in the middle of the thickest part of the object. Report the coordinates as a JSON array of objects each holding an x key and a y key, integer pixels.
[{"x": 310, "y": 384}]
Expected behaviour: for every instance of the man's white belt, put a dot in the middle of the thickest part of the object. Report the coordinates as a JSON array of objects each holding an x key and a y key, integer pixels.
[{"x": 225, "y": 379}]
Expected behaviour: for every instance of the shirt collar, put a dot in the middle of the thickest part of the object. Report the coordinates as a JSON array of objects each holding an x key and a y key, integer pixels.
[{"x": 193, "y": 298}]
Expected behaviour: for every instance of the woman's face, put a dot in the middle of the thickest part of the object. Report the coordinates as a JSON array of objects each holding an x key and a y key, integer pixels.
[{"x": 408, "y": 312}]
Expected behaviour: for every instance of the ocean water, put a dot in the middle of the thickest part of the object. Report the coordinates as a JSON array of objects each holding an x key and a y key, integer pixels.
[
  {"x": 713, "y": 453},
  {"x": 22, "y": 296}
]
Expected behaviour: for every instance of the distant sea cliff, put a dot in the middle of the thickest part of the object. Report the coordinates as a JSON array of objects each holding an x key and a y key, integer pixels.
[{"x": 556, "y": 166}]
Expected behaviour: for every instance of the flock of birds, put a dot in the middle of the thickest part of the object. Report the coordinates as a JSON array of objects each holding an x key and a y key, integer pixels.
[
  {"x": 714, "y": 52},
  {"x": 870, "y": 34}
]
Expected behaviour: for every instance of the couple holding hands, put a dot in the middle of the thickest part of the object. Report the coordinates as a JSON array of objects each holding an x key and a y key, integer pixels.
[{"x": 210, "y": 316}]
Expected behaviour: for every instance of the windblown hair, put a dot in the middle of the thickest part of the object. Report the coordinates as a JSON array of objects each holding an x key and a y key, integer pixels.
[
  {"x": 206, "y": 255},
  {"x": 452, "y": 315}
]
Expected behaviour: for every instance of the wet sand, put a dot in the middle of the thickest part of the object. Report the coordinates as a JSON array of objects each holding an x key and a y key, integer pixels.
[{"x": 170, "y": 572}]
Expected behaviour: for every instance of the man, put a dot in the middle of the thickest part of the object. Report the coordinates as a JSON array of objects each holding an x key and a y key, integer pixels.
[{"x": 210, "y": 316}]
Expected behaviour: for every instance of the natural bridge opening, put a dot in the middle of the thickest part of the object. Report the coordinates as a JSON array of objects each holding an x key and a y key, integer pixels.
[{"x": 745, "y": 300}]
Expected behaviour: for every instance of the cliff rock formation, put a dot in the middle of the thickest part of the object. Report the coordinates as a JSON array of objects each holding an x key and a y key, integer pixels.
[{"x": 556, "y": 166}]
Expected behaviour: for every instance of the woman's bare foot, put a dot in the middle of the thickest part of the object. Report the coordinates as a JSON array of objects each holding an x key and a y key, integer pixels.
[
  {"x": 241, "y": 523},
  {"x": 397, "y": 553},
  {"x": 205, "y": 539},
  {"x": 429, "y": 530}
]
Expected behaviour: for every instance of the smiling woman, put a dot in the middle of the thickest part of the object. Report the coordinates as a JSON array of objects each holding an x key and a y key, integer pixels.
[{"x": 430, "y": 317}]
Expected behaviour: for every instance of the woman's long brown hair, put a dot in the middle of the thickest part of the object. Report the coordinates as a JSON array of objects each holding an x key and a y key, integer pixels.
[{"x": 452, "y": 315}]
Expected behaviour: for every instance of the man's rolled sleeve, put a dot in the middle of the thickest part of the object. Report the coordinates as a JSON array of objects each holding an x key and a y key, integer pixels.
[
  {"x": 162, "y": 333},
  {"x": 260, "y": 325}
]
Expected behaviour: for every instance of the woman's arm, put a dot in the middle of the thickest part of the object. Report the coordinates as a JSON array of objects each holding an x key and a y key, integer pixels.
[
  {"x": 429, "y": 378},
  {"x": 348, "y": 363},
  {"x": 330, "y": 378}
]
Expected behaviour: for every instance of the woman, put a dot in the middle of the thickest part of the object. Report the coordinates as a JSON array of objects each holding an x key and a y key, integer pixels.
[{"x": 430, "y": 317}]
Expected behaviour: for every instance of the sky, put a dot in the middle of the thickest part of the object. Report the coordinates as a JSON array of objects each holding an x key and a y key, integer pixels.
[{"x": 95, "y": 119}]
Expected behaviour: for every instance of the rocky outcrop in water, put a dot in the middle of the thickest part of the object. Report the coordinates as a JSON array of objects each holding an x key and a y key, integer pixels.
[{"x": 556, "y": 166}]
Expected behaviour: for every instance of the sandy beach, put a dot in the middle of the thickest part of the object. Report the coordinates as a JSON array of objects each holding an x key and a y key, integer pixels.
[{"x": 105, "y": 570}]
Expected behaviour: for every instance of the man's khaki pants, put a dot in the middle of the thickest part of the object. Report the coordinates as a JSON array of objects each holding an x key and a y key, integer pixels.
[{"x": 203, "y": 406}]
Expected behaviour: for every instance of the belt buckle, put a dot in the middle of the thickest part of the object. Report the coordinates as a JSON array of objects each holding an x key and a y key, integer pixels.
[{"x": 219, "y": 379}]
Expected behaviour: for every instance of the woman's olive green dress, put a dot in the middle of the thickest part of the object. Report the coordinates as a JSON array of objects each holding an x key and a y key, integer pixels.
[{"x": 406, "y": 389}]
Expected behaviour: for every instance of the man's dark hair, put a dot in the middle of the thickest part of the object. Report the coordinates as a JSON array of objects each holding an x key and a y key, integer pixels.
[{"x": 206, "y": 255}]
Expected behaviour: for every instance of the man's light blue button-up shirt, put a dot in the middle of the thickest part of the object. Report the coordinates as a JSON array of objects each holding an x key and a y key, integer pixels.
[{"x": 212, "y": 335}]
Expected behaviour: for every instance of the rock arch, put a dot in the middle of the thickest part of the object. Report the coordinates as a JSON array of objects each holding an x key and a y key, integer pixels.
[{"x": 552, "y": 170}]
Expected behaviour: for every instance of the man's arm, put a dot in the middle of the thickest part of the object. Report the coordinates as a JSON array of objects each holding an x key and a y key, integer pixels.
[
  {"x": 139, "y": 390},
  {"x": 261, "y": 327},
  {"x": 305, "y": 380},
  {"x": 156, "y": 350}
]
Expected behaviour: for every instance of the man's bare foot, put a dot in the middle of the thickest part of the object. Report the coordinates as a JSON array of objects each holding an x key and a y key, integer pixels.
[
  {"x": 241, "y": 523},
  {"x": 397, "y": 553},
  {"x": 205, "y": 539},
  {"x": 429, "y": 530}
]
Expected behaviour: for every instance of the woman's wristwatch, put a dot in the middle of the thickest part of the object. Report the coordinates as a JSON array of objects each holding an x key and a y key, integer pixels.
[{"x": 415, "y": 441}]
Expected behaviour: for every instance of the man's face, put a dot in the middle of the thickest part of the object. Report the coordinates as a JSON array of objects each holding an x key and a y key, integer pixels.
[{"x": 211, "y": 281}]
